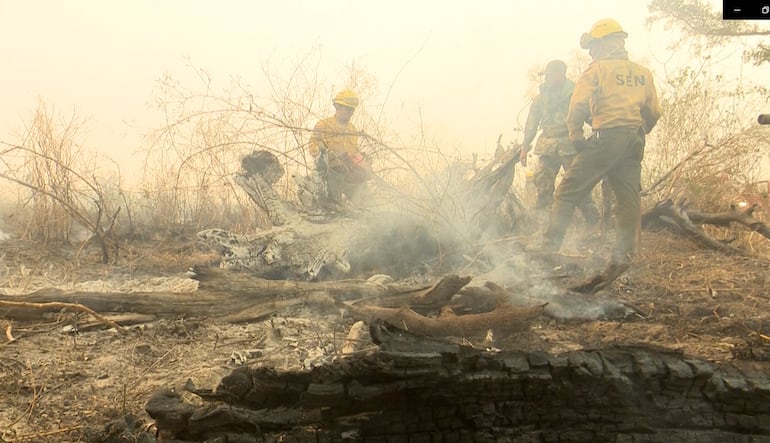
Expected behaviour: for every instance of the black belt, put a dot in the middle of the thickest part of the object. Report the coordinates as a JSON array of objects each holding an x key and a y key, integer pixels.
[{"x": 619, "y": 130}]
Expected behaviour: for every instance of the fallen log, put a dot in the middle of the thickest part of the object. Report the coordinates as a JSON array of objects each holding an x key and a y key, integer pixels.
[
  {"x": 424, "y": 300},
  {"x": 622, "y": 393},
  {"x": 246, "y": 284},
  {"x": 223, "y": 295},
  {"x": 676, "y": 212},
  {"x": 229, "y": 296},
  {"x": 744, "y": 217},
  {"x": 504, "y": 320}
]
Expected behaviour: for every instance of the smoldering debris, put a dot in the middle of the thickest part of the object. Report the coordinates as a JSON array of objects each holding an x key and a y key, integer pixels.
[{"x": 529, "y": 285}]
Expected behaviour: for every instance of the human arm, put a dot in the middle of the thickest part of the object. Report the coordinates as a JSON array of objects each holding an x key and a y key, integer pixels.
[
  {"x": 317, "y": 139},
  {"x": 533, "y": 121},
  {"x": 534, "y": 117},
  {"x": 580, "y": 104}
]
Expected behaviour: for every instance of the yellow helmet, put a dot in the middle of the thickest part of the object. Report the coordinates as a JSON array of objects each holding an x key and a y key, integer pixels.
[
  {"x": 601, "y": 29},
  {"x": 348, "y": 98}
]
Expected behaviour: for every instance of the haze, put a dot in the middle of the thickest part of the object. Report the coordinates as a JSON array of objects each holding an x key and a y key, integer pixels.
[{"x": 462, "y": 66}]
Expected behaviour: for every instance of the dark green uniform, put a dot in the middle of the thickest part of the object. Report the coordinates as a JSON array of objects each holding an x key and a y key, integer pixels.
[{"x": 549, "y": 112}]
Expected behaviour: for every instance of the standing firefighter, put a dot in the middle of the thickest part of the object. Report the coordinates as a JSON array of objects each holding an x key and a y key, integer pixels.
[
  {"x": 549, "y": 113},
  {"x": 334, "y": 145},
  {"x": 618, "y": 98}
]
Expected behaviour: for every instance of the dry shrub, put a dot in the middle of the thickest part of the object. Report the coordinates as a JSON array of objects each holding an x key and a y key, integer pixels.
[
  {"x": 704, "y": 148},
  {"x": 192, "y": 159},
  {"x": 58, "y": 183}
]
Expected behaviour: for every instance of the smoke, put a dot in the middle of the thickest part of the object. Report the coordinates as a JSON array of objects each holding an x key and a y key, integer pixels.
[
  {"x": 530, "y": 282},
  {"x": 414, "y": 236},
  {"x": 402, "y": 245}
]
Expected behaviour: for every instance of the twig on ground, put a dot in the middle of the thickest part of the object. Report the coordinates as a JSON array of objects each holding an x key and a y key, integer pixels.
[
  {"x": 62, "y": 305},
  {"x": 46, "y": 433},
  {"x": 9, "y": 333}
]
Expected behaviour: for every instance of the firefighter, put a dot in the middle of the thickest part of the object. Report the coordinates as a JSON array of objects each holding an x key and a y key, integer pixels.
[
  {"x": 334, "y": 146},
  {"x": 549, "y": 112},
  {"x": 618, "y": 98}
]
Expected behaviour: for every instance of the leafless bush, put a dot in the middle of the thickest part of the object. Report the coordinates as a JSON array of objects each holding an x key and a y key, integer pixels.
[
  {"x": 703, "y": 148},
  {"x": 191, "y": 160},
  {"x": 59, "y": 188}
]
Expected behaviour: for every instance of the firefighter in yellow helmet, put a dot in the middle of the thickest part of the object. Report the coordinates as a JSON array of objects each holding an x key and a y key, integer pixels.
[
  {"x": 334, "y": 146},
  {"x": 618, "y": 98}
]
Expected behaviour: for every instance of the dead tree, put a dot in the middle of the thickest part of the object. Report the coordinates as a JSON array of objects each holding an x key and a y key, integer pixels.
[
  {"x": 305, "y": 245},
  {"x": 681, "y": 219}
]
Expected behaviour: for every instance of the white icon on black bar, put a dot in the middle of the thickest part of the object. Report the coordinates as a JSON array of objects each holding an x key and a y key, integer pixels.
[{"x": 745, "y": 10}]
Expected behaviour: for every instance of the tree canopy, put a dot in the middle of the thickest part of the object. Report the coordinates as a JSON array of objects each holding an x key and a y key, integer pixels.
[{"x": 698, "y": 18}]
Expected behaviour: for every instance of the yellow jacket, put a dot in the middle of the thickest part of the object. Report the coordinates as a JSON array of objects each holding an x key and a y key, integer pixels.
[
  {"x": 337, "y": 138},
  {"x": 613, "y": 93}
]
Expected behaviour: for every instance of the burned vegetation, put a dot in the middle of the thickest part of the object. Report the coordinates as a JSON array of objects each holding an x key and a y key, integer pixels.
[{"x": 379, "y": 324}]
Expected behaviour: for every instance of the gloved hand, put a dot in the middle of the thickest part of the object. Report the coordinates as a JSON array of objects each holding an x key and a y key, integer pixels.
[
  {"x": 523, "y": 155},
  {"x": 580, "y": 144},
  {"x": 360, "y": 162}
]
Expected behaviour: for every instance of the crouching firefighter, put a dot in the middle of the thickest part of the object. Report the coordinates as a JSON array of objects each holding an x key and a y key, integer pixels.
[{"x": 334, "y": 145}]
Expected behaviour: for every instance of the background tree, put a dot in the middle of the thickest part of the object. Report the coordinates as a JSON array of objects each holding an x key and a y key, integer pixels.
[
  {"x": 707, "y": 147},
  {"x": 698, "y": 18}
]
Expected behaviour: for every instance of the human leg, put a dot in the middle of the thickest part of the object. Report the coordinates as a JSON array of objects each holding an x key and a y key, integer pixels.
[
  {"x": 545, "y": 179},
  {"x": 587, "y": 207},
  {"x": 625, "y": 180},
  {"x": 586, "y": 170}
]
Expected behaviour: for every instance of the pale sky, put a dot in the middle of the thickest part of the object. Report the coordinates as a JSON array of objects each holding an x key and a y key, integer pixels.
[{"x": 467, "y": 74}]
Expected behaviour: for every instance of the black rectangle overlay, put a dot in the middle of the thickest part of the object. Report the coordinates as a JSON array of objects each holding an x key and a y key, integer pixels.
[{"x": 746, "y": 9}]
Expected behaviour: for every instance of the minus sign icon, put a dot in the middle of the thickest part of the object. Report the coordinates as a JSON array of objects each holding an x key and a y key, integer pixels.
[{"x": 737, "y": 10}]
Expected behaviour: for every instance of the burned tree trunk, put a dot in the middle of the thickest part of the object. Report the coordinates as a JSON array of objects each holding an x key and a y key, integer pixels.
[
  {"x": 312, "y": 245},
  {"x": 629, "y": 394}
]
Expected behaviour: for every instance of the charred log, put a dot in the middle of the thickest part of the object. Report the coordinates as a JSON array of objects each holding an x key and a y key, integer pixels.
[{"x": 633, "y": 394}]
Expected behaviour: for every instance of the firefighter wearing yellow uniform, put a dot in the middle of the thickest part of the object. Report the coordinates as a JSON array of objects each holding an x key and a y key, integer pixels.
[
  {"x": 334, "y": 146},
  {"x": 618, "y": 98},
  {"x": 548, "y": 113}
]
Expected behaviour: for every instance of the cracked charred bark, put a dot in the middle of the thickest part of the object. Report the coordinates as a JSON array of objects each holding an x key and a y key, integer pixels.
[{"x": 457, "y": 394}]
